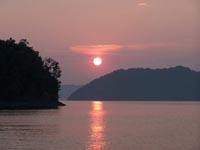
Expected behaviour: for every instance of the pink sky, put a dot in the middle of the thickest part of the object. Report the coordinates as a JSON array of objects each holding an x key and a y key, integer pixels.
[{"x": 125, "y": 33}]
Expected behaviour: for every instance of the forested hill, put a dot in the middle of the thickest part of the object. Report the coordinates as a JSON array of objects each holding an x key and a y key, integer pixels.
[
  {"x": 176, "y": 83},
  {"x": 26, "y": 79}
]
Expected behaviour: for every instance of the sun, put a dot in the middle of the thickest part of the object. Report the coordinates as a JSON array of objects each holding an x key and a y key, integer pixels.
[{"x": 97, "y": 61}]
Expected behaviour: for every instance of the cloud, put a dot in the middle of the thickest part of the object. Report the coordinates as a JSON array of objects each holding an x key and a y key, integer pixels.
[
  {"x": 142, "y": 4},
  {"x": 115, "y": 48},
  {"x": 95, "y": 49},
  {"x": 112, "y": 48}
]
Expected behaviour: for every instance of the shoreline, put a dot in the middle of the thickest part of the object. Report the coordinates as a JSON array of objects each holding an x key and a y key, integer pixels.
[{"x": 30, "y": 105}]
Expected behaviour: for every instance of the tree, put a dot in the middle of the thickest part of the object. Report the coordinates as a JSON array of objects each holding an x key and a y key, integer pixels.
[
  {"x": 24, "y": 75},
  {"x": 53, "y": 67}
]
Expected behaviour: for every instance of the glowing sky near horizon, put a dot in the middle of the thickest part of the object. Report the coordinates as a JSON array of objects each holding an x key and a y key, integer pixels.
[{"x": 124, "y": 33}]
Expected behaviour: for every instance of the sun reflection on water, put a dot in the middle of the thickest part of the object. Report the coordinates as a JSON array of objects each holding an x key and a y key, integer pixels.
[{"x": 97, "y": 127}]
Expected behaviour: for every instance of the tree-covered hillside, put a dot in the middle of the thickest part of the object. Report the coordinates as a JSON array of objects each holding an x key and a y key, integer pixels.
[{"x": 25, "y": 77}]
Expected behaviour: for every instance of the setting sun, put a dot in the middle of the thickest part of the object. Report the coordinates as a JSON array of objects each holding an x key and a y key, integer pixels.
[{"x": 97, "y": 61}]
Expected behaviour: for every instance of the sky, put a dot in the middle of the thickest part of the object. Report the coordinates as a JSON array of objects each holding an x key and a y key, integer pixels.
[{"x": 124, "y": 33}]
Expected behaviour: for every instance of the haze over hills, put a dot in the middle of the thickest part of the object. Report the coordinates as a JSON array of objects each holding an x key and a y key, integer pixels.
[
  {"x": 66, "y": 90},
  {"x": 176, "y": 83}
]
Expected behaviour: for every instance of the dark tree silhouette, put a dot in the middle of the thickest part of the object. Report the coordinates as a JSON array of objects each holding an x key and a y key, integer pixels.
[
  {"x": 25, "y": 76},
  {"x": 53, "y": 67}
]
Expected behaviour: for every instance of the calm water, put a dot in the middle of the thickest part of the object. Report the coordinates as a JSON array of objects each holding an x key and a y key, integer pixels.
[{"x": 103, "y": 125}]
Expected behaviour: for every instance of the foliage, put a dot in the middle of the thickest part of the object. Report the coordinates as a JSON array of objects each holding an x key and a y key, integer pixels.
[{"x": 24, "y": 75}]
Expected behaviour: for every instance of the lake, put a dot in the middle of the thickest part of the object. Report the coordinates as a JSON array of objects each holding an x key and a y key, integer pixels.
[{"x": 100, "y": 125}]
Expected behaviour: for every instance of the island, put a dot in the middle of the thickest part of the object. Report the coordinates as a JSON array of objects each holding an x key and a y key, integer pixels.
[
  {"x": 143, "y": 84},
  {"x": 27, "y": 81}
]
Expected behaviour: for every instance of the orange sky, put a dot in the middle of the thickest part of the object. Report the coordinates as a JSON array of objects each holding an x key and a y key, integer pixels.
[{"x": 125, "y": 33}]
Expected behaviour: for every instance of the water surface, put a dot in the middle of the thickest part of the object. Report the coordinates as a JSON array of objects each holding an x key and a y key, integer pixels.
[{"x": 103, "y": 125}]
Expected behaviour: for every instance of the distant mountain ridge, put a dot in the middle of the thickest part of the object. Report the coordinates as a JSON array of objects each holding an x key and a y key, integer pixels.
[
  {"x": 66, "y": 90},
  {"x": 176, "y": 83}
]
